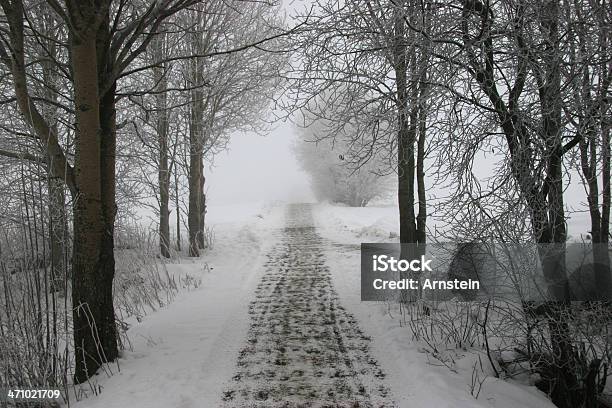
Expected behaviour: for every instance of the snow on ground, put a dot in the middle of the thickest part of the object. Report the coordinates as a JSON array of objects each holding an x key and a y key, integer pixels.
[
  {"x": 185, "y": 353},
  {"x": 381, "y": 223},
  {"x": 416, "y": 379},
  {"x": 369, "y": 224}
]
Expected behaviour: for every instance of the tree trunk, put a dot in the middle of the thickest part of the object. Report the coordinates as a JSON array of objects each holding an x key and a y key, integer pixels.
[
  {"x": 195, "y": 184},
  {"x": 421, "y": 219},
  {"x": 107, "y": 327},
  {"x": 164, "y": 210},
  {"x": 604, "y": 275},
  {"x": 178, "y": 212},
  {"x": 595, "y": 131},
  {"x": 58, "y": 234},
  {"x": 109, "y": 211},
  {"x": 405, "y": 145},
  {"x": 201, "y": 236},
  {"x": 599, "y": 217},
  {"x": 405, "y": 66},
  {"x": 93, "y": 264},
  {"x": 196, "y": 146},
  {"x": 159, "y": 76},
  {"x": 564, "y": 393}
]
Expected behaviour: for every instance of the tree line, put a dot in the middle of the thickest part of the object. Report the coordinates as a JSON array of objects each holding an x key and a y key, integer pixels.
[
  {"x": 438, "y": 86},
  {"x": 99, "y": 96},
  {"x": 113, "y": 104}
]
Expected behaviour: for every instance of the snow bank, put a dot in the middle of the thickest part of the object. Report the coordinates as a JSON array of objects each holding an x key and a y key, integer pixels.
[{"x": 369, "y": 224}]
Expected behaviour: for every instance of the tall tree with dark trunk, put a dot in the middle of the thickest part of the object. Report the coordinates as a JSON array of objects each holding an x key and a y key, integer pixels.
[
  {"x": 99, "y": 56},
  {"x": 93, "y": 264},
  {"x": 207, "y": 25},
  {"x": 196, "y": 165},
  {"x": 409, "y": 61},
  {"x": 366, "y": 63}
]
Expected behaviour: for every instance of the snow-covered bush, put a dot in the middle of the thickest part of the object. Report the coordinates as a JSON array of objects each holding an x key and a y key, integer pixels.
[
  {"x": 142, "y": 281},
  {"x": 36, "y": 320}
]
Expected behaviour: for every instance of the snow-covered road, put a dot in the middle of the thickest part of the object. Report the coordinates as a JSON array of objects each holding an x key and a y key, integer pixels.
[{"x": 303, "y": 348}]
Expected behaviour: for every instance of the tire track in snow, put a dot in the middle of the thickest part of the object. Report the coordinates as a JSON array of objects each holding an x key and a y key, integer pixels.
[{"x": 303, "y": 348}]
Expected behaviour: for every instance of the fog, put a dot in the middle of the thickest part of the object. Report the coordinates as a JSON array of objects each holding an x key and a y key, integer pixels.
[
  {"x": 258, "y": 168},
  {"x": 262, "y": 168}
]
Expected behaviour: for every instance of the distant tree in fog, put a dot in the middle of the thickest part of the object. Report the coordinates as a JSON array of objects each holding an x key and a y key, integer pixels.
[{"x": 333, "y": 177}]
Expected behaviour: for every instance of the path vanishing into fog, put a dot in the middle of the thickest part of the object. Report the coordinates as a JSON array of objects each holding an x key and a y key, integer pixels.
[{"x": 303, "y": 349}]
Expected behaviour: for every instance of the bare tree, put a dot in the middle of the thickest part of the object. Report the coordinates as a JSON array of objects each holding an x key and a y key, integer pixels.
[
  {"x": 228, "y": 91},
  {"x": 162, "y": 129},
  {"x": 99, "y": 54},
  {"x": 69, "y": 66},
  {"x": 511, "y": 91},
  {"x": 590, "y": 74},
  {"x": 363, "y": 65},
  {"x": 332, "y": 175}
]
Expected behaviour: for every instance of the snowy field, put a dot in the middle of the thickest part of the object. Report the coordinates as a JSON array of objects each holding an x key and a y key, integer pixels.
[{"x": 185, "y": 354}]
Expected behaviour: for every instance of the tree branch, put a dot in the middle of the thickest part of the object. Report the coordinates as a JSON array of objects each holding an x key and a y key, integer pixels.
[{"x": 21, "y": 156}]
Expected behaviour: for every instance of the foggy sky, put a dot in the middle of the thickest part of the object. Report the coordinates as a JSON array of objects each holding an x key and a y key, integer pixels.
[{"x": 258, "y": 168}]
